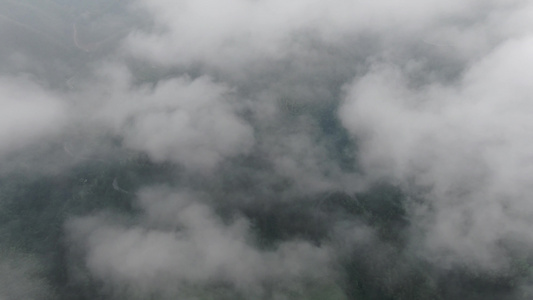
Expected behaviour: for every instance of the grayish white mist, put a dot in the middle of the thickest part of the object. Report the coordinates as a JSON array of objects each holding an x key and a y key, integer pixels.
[{"x": 220, "y": 118}]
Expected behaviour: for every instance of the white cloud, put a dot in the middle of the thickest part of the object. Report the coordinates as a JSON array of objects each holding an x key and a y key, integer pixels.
[
  {"x": 468, "y": 145},
  {"x": 440, "y": 105},
  {"x": 182, "y": 243},
  {"x": 29, "y": 114},
  {"x": 193, "y": 122},
  {"x": 229, "y": 34}
]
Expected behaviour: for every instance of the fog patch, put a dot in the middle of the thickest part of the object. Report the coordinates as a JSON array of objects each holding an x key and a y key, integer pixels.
[{"x": 181, "y": 246}]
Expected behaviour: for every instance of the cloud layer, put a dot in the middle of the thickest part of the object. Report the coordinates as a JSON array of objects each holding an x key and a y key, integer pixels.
[
  {"x": 266, "y": 149},
  {"x": 181, "y": 244},
  {"x": 465, "y": 144}
]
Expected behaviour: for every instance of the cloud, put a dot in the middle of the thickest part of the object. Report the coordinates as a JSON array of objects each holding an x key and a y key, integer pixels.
[
  {"x": 29, "y": 114},
  {"x": 250, "y": 107},
  {"x": 181, "y": 243},
  {"x": 466, "y": 145},
  {"x": 192, "y": 122},
  {"x": 230, "y": 34}
]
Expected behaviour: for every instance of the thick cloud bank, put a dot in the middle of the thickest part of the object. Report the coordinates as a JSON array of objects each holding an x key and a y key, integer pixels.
[
  {"x": 181, "y": 244},
  {"x": 467, "y": 145},
  {"x": 181, "y": 120},
  {"x": 266, "y": 149},
  {"x": 29, "y": 114}
]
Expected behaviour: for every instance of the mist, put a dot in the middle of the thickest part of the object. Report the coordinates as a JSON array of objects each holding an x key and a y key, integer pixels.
[{"x": 266, "y": 149}]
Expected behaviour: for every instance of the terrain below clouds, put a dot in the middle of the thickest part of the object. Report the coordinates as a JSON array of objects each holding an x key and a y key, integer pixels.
[{"x": 265, "y": 149}]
